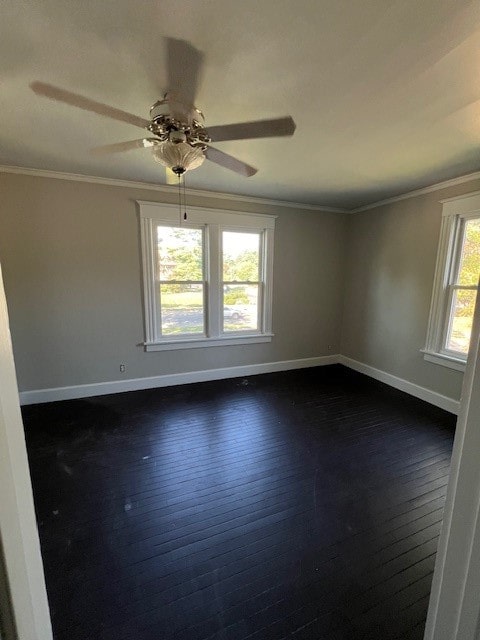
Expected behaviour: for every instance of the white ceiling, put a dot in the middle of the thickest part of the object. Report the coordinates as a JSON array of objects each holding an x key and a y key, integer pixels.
[{"x": 385, "y": 93}]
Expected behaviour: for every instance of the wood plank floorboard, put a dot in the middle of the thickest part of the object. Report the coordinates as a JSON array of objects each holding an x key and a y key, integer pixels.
[{"x": 302, "y": 505}]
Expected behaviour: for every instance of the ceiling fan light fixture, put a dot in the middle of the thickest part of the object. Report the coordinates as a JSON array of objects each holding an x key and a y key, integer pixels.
[{"x": 178, "y": 156}]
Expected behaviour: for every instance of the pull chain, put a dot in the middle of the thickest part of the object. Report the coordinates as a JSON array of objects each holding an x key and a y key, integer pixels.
[
  {"x": 180, "y": 216},
  {"x": 184, "y": 199},
  {"x": 179, "y": 198}
]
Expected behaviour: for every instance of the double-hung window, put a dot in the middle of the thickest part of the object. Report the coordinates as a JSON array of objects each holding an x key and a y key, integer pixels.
[
  {"x": 207, "y": 280},
  {"x": 456, "y": 283},
  {"x": 180, "y": 280},
  {"x": 241, "y": 280}
]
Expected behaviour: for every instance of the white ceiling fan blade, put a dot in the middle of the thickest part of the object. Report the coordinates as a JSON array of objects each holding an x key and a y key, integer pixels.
[
  {"x": 119, "y": 147},
  {"x": 76, "y": 100},
  {"x": 256, "y": 129},
  {"x": 184, "y": 64},
  {"x": 229, "y": 162}
]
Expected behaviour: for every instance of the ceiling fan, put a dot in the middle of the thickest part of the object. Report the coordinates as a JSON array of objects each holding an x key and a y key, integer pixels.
[{"x": 178, "y": 137}]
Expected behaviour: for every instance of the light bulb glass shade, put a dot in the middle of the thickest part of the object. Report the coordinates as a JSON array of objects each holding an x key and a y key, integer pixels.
[{"x": 178, "y": 154}]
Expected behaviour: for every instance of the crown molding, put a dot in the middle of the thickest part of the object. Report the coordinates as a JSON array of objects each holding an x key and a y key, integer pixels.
[
  {"x": 419, "y": 192},
  {"x": 148, "y": 186},
  {"x": 218, "y": 195},
  {"x": 464, "y": 196}
]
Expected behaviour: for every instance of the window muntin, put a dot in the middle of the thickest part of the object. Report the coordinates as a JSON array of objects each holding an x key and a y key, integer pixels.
[
  {"x": 241, "y": 283},
  {"x": 181, "y": 284}
]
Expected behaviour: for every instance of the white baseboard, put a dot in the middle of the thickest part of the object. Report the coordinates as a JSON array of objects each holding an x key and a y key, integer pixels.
[
  {"x": 135, "y": 384},
  {"x": 437, "y": 399}
]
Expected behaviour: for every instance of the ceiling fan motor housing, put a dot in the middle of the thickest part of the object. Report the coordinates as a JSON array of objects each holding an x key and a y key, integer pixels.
[{"x": 166, "y": 125}]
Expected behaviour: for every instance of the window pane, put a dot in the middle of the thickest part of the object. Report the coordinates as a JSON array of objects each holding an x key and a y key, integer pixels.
[
  {"x": 241, "y": 253},
  {"x": 182, "y": 308},
  {"x": 470, "y": 260},
  {"x": 240, "y": 307},
  {"x": 179, "y": 253},
  {"x": 462, "y": 318}
]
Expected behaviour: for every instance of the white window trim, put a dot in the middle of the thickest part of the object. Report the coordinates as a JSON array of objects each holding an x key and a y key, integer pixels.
[
  {"x": 152, "y": 213},
  {"x": 454, "y": 210}
]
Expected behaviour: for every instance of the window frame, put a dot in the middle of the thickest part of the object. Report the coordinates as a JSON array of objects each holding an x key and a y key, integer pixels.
[
  {"x": 213, "y": 222},
  {"x": 456, "y": 211}
]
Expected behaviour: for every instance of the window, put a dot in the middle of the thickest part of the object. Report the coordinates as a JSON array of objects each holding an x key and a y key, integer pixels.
[
  {"x": 456, "y": 283},
  {"x": 462, "y": 288},
  {"x": 241, "y": 260},
  {"x": 207, "y": 280},
  {"x": 180, "y": 280}
]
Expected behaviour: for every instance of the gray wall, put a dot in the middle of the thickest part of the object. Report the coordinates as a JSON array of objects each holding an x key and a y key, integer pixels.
[
  {"x": 391, "y": 252},
  {"x": 71, "y": 262}
]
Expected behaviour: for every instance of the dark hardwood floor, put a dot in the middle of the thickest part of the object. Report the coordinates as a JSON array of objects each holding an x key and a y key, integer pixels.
[{"x": 300, "y": 505}]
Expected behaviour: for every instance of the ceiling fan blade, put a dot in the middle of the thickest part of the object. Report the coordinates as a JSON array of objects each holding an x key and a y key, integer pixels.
[
  {"x": 184, "y": 64},
  {"x": 119, "y": 147},
  {"x": 229, "y": 162},
  {"x": 76, "y": 100},
  {"x": 257, "y": 129}
]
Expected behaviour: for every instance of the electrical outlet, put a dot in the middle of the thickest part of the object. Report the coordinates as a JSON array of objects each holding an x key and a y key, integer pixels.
[{"x": 123, "y": 368}]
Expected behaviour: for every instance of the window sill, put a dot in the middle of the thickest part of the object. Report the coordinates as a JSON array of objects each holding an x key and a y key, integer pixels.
[
  {"x": 196, "y": 343},
  {"x": 446, "y": 361}
]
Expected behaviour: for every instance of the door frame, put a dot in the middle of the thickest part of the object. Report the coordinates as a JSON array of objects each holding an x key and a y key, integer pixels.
[
  {"x": 454, "y": 610},
  {"x": 18, "y": 528}
]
